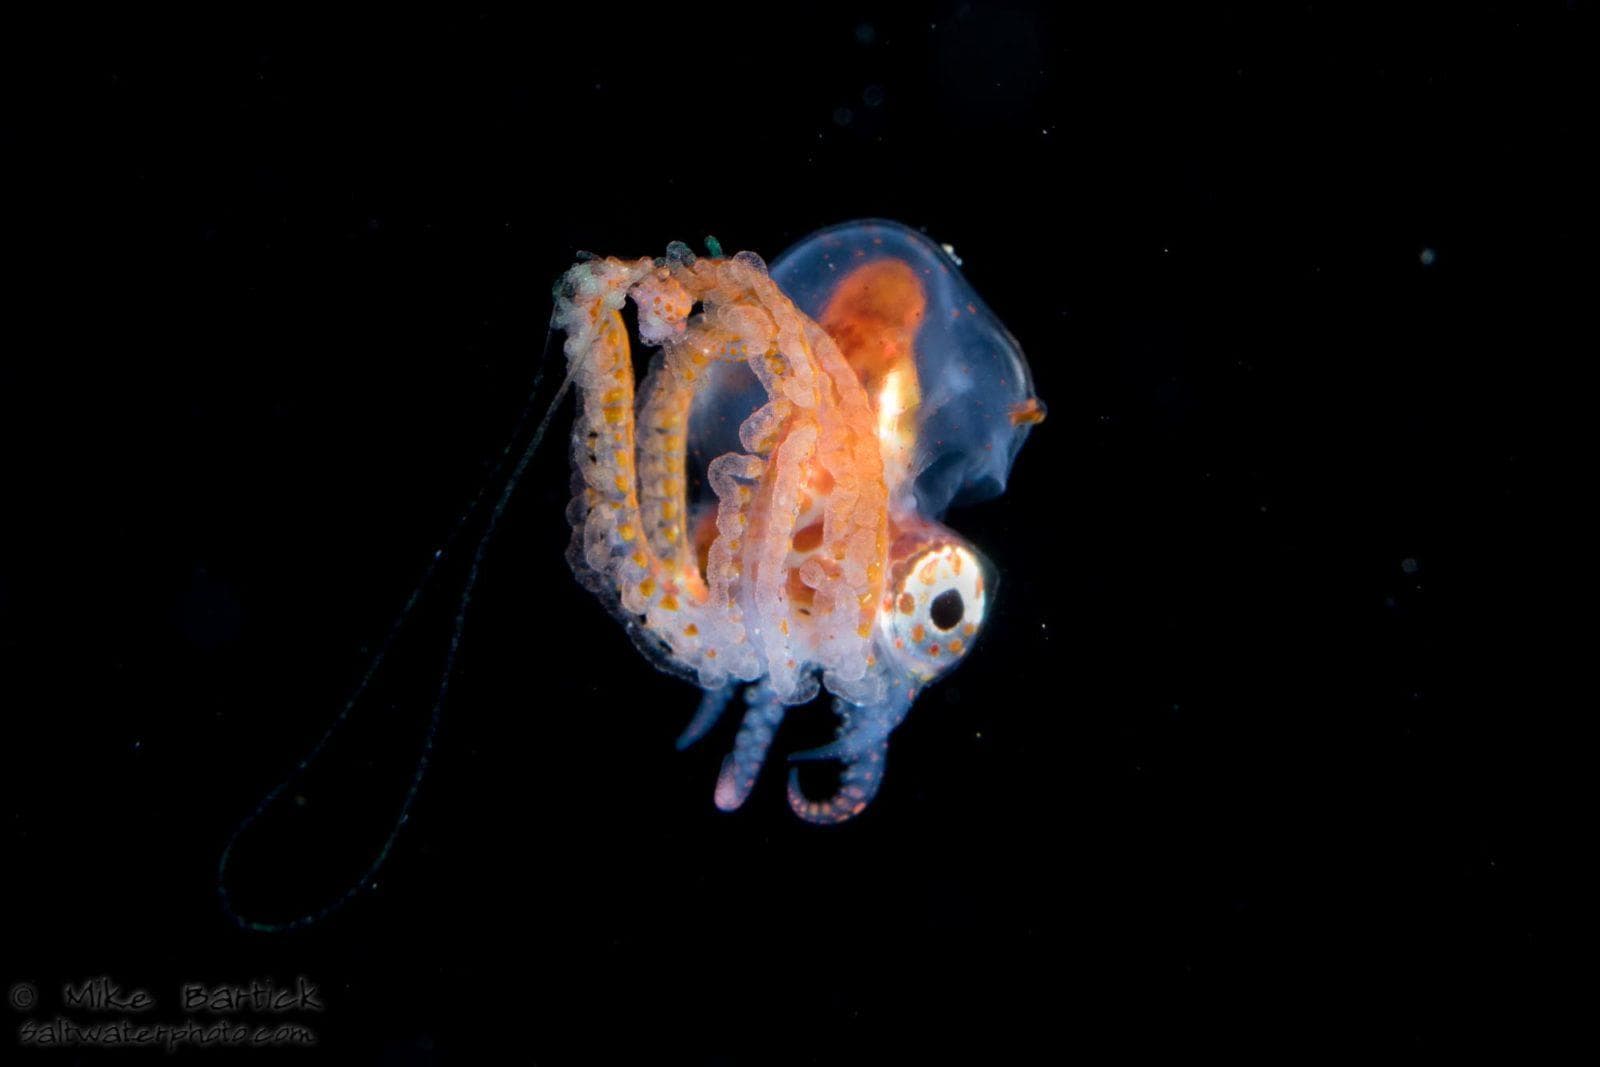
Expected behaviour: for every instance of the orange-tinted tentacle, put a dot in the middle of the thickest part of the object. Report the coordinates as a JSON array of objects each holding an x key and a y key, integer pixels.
[{"x": 811, "y": 454}]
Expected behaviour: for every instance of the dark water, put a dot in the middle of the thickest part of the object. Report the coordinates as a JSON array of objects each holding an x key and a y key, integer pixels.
[{"x": 1255, "y": 754}]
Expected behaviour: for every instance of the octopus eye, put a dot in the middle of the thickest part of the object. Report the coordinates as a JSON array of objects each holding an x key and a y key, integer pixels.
[
  {"x": 936, "y": 608},
  {"x": 946, "y": 609}
]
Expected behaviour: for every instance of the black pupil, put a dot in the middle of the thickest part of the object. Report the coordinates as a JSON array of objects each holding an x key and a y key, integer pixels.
[{"x": 947, "y": 609}]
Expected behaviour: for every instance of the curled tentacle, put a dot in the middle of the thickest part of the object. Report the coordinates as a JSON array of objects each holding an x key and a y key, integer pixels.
[
  {"x": 764, "y": 597},
  {"x": 858, "y": 784},
  {"x": 861, "y": 747}
]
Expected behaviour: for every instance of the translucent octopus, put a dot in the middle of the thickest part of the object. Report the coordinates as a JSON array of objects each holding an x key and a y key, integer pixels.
[{"x": 765, "y": 511}]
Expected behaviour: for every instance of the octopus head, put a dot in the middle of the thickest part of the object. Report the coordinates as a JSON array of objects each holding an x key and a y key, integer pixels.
[{"x": 935, "y": 602}]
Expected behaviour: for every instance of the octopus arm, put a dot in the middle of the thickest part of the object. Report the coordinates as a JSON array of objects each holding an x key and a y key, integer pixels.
[{"x": 861, "y": 748}]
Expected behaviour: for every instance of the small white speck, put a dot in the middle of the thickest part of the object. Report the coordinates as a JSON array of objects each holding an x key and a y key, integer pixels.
[{"x": 950, "y": 250}]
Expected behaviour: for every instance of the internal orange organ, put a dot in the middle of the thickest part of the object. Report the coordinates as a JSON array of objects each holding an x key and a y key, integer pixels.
[{"x": 874, "y": 314}]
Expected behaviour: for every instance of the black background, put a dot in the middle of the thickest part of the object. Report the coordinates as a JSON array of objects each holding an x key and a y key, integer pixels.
[{"x": 1256, "y": 751}]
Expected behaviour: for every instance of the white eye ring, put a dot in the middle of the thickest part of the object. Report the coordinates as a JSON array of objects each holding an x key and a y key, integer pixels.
[{"x": 932, "y": 615}]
